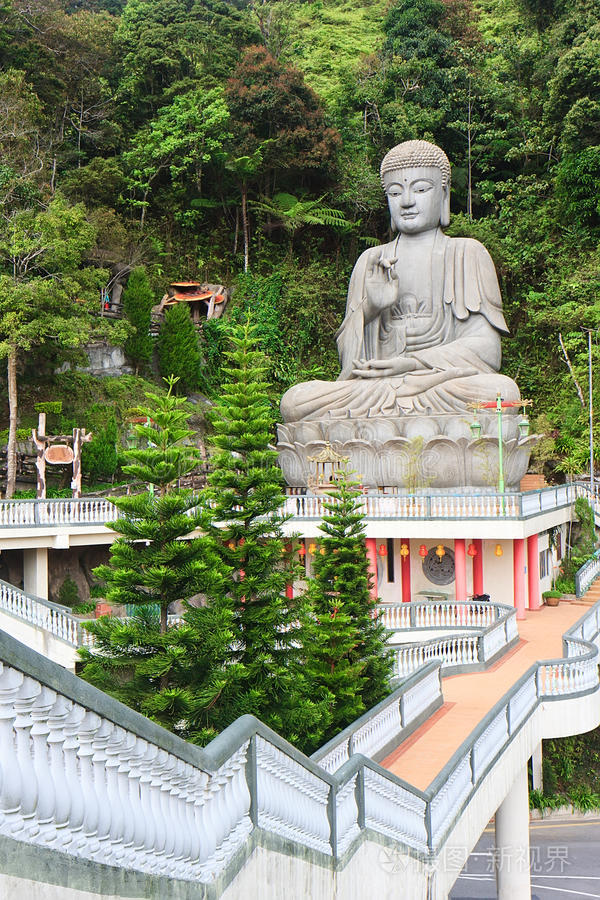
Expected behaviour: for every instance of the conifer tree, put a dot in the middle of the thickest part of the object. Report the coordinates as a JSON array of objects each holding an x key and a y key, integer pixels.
[
  {"x": 138, "y": 301},
  {"x": 346, "y": 653},
  {"x": 245, "y": 524},
  {"x": 163, "y": 671},
  {"x": 100, "y": 456},
  {"x": 179, "y": 349}
]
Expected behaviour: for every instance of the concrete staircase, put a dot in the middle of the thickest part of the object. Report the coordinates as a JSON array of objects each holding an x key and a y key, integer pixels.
[{"x": 592, "y": 595}]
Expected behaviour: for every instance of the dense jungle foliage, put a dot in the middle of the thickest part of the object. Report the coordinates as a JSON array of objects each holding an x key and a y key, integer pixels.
[{"x": 238, "y": 141}]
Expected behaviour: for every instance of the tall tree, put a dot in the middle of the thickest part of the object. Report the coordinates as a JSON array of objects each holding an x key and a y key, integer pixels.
[
  {"x": 180, "y": 141},
  {"x": 179, "y": 349},
  {"x": 150, "y": 563},
  {"x": 346, "y": 653},
  {"x": 274, "y": 110},
  {"x": 42, "y": 278},
  {"x": 244, "y": 523},
  {"x": 138, "y": 301},
  {"x": 169, "y": 673}
]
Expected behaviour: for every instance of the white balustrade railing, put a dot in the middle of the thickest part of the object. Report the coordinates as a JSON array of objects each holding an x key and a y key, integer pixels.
[
  {"x": 492, "y": 626},
  {"x": 86, "y": 776},
  {"x": 292, "y": 801},
  {"x": 99, "y": 510},
  {"x": 586, "y": 575},
  {"x": 461, "y": 650},
  {"x": 41, "y": 613},
  {"x": 485, "y": 747},
  {"x": 385, "y": 724},
  {"x": 494, "y": 638},
  {"x": 395, "y": 810},
  {"x": 90, "y": 511},
  {"x": 420, "y": 695},
  {"x": 440, "y": 614},
  {"x": 443, "y": 506}
]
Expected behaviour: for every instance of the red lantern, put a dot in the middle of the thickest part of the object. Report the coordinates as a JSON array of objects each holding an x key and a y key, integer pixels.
[
  {"x": 382, "y": 550},
  {"x": 423, "y": 551},
  {"x": 302, "y": 551},
  {"x": 472, "y": 550}
]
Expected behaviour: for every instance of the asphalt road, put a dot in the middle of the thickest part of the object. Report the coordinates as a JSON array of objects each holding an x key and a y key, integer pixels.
[{"x": 564, "y": 860}]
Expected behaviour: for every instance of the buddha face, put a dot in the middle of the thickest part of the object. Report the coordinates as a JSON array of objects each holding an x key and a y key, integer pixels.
[{"x": 416, "y": 198}]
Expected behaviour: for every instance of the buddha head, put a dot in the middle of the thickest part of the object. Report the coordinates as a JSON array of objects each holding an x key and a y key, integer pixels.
[{"x": 416, "y": 178}]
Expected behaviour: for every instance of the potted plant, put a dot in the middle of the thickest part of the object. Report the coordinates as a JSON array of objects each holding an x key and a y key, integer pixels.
[{"x": 551, "y": 598}]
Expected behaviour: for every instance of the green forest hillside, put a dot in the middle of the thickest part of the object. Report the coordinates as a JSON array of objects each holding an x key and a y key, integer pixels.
[{"x": 238, "y": 142}]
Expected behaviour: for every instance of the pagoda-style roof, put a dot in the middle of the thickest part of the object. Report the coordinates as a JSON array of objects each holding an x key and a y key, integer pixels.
[{"x": 328, "y": 455}]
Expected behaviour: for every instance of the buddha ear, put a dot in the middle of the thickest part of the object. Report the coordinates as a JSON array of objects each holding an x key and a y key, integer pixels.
[{"x": 445, "y": 206}]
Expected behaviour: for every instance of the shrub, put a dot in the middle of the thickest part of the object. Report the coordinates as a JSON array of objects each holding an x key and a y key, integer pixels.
[
  {"x": 178, "y": 348},
  {"x": 99, "y": 457},
  {"x": 68, "y": 594}
]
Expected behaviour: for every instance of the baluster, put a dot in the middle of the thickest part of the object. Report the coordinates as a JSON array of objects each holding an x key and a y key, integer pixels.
[
  {"x": 189, "y": 788},
  {"x": 145, "y": 796},
  {"x": 221, "y": 810},
  {"x": 139, "y": 827},
  {"x": 99, "y": 760},
  {"x": 57, "y": 719},
  {"x": 191, "y": 785},
  {"x": 158, "y": 770},
  {"x": 209, "y": 824},
  {"x": 24, "y": 823},
  {"x": 46, "y": 801},
  {"x": 71, "y": 727},
  {"x": 125, "y": 787},
  {"x": 11, "y": 682},
  {"x": 183, "y": 842},
  {"x": 115, "y": 744},
  {"x": 88, "y": 842}
]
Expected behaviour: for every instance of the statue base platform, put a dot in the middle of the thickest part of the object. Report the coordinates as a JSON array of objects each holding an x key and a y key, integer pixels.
[{"x": 410, "y": 452}]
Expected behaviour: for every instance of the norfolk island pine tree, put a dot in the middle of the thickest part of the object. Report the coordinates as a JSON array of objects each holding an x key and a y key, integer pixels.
[
  {"x": 346, "y": 653},
  {"x": 165, "y": 672},
  {"x": 244, "y": 523}
]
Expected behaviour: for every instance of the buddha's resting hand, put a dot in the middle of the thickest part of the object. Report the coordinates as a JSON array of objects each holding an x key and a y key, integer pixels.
[
  {"x": 383, "y": 368},
  {"x": 381, "y": 284}
]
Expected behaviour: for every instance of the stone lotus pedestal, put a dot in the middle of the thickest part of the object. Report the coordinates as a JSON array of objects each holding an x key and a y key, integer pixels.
[{"x": 410, "y": 452}]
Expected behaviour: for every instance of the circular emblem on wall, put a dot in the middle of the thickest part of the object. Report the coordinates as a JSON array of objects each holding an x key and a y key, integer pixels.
[{"x": 439, "y": 570}]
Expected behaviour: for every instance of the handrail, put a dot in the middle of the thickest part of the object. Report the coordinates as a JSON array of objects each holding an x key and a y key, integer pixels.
[
  {"x": 483, "y": 629},
  {"x": 389, "y": 722},
  {"x": 587, "y": 574},
  {"x": 450, "y": 505},
  {"x": 430, "y": 505},
  {"x": 41, "y": 613},
  {"x": 154, "y": 803},
  {"x": 82, "y": 511}
]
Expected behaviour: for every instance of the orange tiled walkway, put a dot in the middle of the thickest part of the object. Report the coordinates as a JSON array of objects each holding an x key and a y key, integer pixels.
[{"x": 467, "y": 698}]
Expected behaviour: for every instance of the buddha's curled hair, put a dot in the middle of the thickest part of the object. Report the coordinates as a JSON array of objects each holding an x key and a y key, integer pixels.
[{"x": 416, "y": 153}]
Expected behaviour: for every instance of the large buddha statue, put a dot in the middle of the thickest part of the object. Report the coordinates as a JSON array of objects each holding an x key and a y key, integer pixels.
[
  {"x": 424, "y": 313},
  {"x": 419, "y": 345}
]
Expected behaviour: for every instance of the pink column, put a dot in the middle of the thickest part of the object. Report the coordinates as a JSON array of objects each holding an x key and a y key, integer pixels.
[
  {"x": 289, "y": 588},
  {"x": 519, "y": 576},
  {"x": 533, "y": 572},
  {"x": 372, "y": 558},
  {"x": 460, "y": 563},
  {"x": 405, "y": 569},
  {"x": 478, "y": 568}
]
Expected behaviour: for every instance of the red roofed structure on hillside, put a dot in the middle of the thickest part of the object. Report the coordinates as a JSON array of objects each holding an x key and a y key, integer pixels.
[{"x": 206, "y": 301}]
